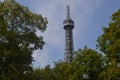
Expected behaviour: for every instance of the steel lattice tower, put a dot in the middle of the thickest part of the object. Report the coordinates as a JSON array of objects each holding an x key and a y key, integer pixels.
[{"x": 68, "y": 26}]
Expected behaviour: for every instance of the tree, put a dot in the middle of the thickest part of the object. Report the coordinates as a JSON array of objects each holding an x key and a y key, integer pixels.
[
  {"x": 18, "y": 39},
  {"x": 88, "y": 64},
  {"x": 48, "y": 73},
  {"x": 109, "y": 41},
  {"x": 59, "y": 70},
  {"x": 109, "y": 44},
  {"x": 38, "y": 74},
  {"x": 44, "y": 74},
  {"x": 111, "y": 72}
]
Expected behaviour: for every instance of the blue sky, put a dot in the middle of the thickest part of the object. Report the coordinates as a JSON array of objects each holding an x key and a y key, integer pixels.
[{"x": 89, "y": 17}]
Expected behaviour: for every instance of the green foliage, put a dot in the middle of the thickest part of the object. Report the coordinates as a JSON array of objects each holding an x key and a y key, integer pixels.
[
  {"x": 60, "y": 69},
  {"x": 88, "y": 64},
  {"x": 44, "y": 74},
  {"x": 110, "y": 73},
  {"x": 109, "y": 41},
  {"x": 18, "y": 39},
  {"x": 109, "y": 44}
]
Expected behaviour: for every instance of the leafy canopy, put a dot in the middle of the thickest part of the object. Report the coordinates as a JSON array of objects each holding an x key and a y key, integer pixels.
[
  {"x": 109, "y": 41},
  {"x": 18, "y": 39}
]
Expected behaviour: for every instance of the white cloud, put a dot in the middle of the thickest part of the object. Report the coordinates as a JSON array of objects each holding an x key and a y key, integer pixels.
[{"x": 41, "y": 58}]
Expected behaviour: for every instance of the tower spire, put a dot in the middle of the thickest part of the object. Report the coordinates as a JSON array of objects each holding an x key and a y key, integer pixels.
[{"x": 68, "y": 12}]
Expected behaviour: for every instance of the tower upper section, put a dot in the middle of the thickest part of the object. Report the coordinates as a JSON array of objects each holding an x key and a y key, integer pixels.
[{"x": 68, "y": 22}]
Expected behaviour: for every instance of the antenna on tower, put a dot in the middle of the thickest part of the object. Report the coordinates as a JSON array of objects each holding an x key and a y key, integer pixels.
[{"x": 68, "y": 12}]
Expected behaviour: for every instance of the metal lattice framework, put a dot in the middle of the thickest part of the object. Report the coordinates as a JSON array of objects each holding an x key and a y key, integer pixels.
[{"x": 68, "y": 26}]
